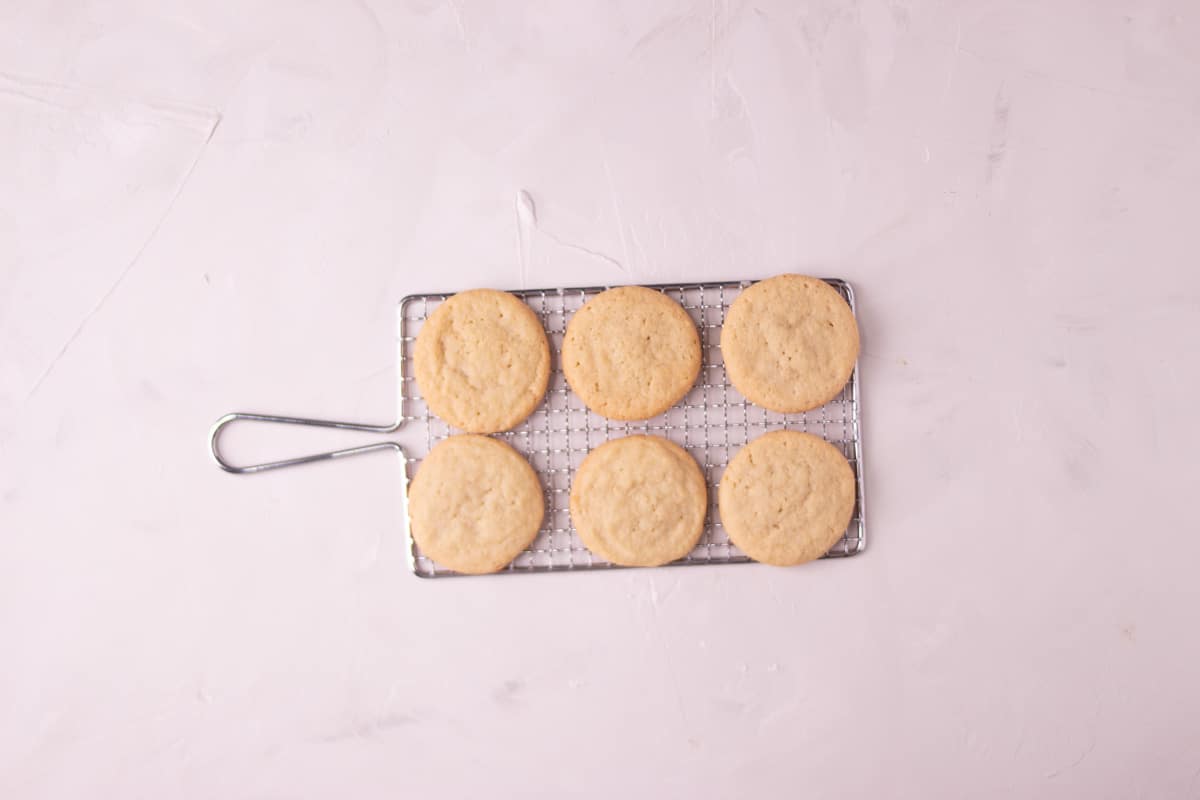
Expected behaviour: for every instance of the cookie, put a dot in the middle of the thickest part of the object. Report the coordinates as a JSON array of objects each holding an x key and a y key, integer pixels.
[
  {"x": 639, "y": 501},
  {"x": 475, "y": 504},
  {"x": 786, "y": 497},
  {"x": 789, "y": 343},
  {"x": 482, "y": 361},
  {"x": 631, "y": 353}
]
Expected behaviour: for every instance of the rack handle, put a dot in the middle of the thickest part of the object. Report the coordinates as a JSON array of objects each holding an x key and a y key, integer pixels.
[{"x": 215, "y": 438}]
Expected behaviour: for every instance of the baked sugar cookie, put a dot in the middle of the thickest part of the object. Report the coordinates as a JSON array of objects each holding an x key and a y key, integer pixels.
[
  {"x": 789, "y": 343},
  {"x": 786, "y": 497},
  {"x": 639, "y": 501},
  {"x": 475, "y": 504},
  {"x": 482, "y": 361},
  {"x": 631, "y": 353}
]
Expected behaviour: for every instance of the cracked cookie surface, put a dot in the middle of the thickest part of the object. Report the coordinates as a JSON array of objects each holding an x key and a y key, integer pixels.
[
  {"x": 786, "y": 497},
  {"x": 639, "y": 501},
  {"x": 474, "y": 504},
  {"x": 631, "y": 353},
  {"x": 789, "y": 343},
  {"x": 482, "y": 361}
]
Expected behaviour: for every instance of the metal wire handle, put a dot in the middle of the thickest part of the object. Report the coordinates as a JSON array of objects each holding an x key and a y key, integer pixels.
[{"x": 215, "y": 436}]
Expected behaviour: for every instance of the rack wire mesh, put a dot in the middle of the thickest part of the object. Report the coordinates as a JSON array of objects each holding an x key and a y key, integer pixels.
[{"x": 712, "y": 422}]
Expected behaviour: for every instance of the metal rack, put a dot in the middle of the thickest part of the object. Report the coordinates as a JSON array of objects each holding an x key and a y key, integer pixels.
[{"x": 712, "y": 422}]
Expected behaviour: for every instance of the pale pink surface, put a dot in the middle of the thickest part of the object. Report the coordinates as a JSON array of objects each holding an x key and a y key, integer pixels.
[{"x": 1013, "y": 189}]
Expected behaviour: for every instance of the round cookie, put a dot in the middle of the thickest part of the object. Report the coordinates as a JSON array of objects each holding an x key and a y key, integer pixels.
[
  {"x": 631, "y": 353},
  {"x": 482, "y": 361},
  {"x": 789, "y": 343},
  {"x": 786, "y": 497},
  {"x": 639, "y": 501},
  {"x": 475, "y": 504}
]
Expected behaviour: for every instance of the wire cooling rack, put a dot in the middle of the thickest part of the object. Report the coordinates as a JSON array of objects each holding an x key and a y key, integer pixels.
[{"x": 712, "y": 422}]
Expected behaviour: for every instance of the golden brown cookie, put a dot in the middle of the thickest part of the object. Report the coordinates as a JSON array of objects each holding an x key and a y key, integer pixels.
[
  {"x": 789, "y": 343},
  {"x": 786, "y": 497},
  {"x": 475, "y": 504},
  {"x": 631, "y": 353},
  {"x": 482, "y": 361},
  {"x": 639, "y": 501}
]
